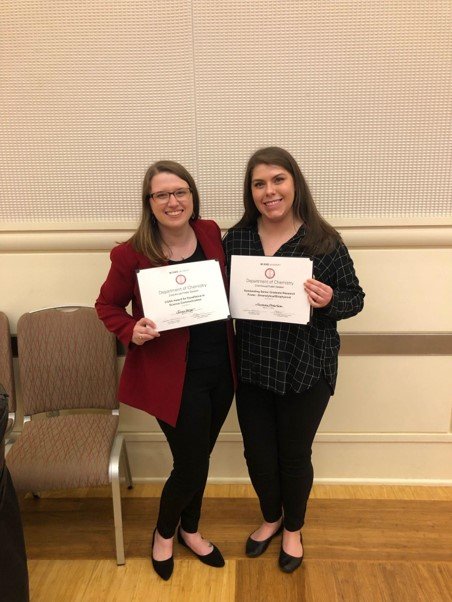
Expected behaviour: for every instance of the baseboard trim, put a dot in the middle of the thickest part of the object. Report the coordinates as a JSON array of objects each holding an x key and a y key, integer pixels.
[
  {"x": 322, "y": 481},
  {"x": 230, "y": 437}
]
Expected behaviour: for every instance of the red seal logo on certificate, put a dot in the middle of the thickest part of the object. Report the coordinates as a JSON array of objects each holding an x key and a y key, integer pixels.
[
  {"x": 180, "y": 279},
  {"x": 269, "y": 273}
]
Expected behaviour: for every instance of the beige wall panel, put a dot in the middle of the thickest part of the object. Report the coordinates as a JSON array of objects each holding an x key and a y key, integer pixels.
[
  {"x": 357, "y": 91},
  {"x": 38, "y": 280},
  {"x": 374, "y": 394},
  {"x": 136, "y": 421},
  {"x": 383, "y": 461},
  {"x": 365, "y": 401},
  {"x": 231, "y": 424},
  {"x": 152, "y": 460},
  {"x": 407, "y": 290},
  {"x": 391, "y": 394},
  {"x": 149, "y": 460},
  {"x": 333, "y": 461},
  {"x": 92, "y": 92}
]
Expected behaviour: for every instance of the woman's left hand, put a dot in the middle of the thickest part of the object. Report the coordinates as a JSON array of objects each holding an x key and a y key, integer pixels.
[{"x": 319, "y": 294}]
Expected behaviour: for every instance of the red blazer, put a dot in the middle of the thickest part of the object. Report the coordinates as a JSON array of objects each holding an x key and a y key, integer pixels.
[{"x": 153, "y": 375}]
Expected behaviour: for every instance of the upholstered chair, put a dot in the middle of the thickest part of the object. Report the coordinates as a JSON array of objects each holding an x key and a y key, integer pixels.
[{"x": 68, "y": 376}]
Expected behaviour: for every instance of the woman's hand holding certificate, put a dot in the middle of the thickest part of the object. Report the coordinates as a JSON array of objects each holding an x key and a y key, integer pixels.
[{"x": 144, "y": 330}]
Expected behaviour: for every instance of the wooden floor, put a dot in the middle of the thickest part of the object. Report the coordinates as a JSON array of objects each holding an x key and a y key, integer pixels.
[{"x": 361, "y": 544}]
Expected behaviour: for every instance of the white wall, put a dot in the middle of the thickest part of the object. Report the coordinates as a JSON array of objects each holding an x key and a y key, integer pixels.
[
  {"x": 390, "y": 419},
  {"x": 92, "y": 92}
]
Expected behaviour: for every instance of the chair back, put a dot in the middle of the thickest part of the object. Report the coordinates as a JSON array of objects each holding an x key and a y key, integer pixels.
[
  {"x": 6, "y": 361},
  {"x": 67, "y": 361}
]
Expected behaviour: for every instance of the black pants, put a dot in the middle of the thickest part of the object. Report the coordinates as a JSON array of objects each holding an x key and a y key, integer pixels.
[
  {"x": 13, "y": 559},
  {"x": 206, "y": 399},
  {"x": 278, "y": 431}
]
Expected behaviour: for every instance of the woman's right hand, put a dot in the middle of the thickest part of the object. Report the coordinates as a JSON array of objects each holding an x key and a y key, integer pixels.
[{"x": 144, "y": 330}]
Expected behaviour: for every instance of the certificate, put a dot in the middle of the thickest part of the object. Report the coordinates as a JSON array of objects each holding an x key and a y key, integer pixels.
[
  {"x": 183, "y": 294},
  {"x": 270, "y": 288}
]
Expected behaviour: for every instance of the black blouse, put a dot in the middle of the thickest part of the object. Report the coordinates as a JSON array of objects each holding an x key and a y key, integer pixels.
[
  {"x": 279, "y": 356},
  {"x": 208, "y": 342}
]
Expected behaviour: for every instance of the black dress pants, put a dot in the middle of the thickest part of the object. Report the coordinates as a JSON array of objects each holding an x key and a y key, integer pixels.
[
  {"x": 13, "y": 559},
  {"x": 278, "y": 431},
  {"x": 206, "y": 399}
]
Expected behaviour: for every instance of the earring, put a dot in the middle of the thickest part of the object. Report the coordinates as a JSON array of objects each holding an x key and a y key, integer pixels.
[{"x": 153, "y": 220}]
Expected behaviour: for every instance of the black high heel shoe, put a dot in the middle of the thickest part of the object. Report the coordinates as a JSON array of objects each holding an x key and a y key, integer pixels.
[
  {"x": 288, "y": 563},
  {"x": 163, "y": 568},
  {"x": 253, "y": 548},
  {"x": 214, "y": 559}
]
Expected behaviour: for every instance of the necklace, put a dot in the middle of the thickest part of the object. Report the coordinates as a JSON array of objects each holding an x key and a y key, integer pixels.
[
  {"x": 183, "y": 252},
  {"x": 278, "y": 235}
]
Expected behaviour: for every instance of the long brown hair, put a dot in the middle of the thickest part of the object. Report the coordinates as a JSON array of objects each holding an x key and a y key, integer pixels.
[
  {"x": 320, "y": 236},
  {"x": 147, "y": 239}
]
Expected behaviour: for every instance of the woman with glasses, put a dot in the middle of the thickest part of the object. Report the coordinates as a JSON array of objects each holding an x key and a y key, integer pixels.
[
  {"x": 287, "y": 372},
  {"x": 184, "y": 377}
]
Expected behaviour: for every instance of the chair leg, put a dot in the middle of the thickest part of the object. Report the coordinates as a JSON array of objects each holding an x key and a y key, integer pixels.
[
  {"x": 116, "y": 495},
  {"x": 127, "y": 473}
]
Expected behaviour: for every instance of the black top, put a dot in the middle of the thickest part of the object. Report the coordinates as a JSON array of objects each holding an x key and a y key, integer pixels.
[
  {"x": 208, "y": 342},
  {"x": 279, "y": 356}
]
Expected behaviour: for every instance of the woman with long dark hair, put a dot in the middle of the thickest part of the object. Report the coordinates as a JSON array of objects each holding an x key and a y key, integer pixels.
[
  {"x": 287, "y": 372},
  {"x": 184, "y": 377}
]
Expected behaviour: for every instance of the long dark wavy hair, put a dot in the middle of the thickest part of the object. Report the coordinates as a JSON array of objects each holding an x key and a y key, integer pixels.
[
  {"x": 320, "y": 237},
  {"x": 147, "y": 239}
]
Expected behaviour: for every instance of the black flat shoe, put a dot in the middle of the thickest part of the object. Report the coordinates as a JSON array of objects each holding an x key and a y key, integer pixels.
[
  {"x": 288, "y": 563},
  {"x": 214, "y": 558},
  {"x": 163, "y": 568},
  {"x": 253, "y": 548}
]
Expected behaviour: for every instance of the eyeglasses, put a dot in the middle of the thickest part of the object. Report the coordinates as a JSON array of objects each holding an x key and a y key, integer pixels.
[{"x": 181, "y": 194}]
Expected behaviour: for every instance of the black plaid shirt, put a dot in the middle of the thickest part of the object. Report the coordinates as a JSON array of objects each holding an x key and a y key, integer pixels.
[{"x": 280, "y": 356}]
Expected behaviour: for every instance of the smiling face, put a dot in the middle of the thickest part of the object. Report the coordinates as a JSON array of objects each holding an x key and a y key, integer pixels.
[
  {"x": 273, "y": 192},
  {"x": 173, "y": 213}
]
